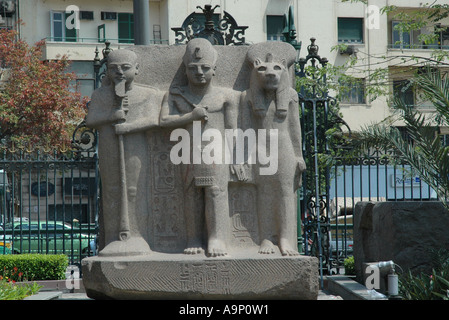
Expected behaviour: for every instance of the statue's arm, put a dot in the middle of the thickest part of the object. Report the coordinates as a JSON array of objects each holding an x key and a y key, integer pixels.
[
  {"x": 231, "y": 113},
  {"x": 231, "y": 109},
  {"x": 144, "y": 123},
  {"x": 171, "y": 117},
  {"x": 295, "y": 127},
  {"x": 295, "y": 136},
  {"x": 101, "y": 112},
  {"x": 140, "y": 125}
]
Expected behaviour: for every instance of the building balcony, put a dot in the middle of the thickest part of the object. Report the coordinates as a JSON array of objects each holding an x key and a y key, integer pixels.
[
  {"x": 83, "y": 49},
  {"x": 411, "y": 54}
]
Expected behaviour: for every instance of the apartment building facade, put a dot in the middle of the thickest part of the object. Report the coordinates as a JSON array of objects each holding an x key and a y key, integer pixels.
[{"x": 77, "y": 27}]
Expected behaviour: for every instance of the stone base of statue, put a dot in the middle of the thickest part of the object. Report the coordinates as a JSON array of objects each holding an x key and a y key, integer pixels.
[{"x": 246, "y": 275}]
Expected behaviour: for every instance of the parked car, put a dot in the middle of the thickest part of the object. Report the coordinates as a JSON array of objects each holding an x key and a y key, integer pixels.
[
  {"x": 341, "y": 247},
  {"x": 48, "y": 237},
  {"x": 4, "y": 249},
  {"x": 5, "y": 242}
]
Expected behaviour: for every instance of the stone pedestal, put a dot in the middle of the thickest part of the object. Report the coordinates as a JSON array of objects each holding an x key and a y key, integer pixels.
[
  {"x": 406, "y": 232},
  {"x": 245, "y": 275}
]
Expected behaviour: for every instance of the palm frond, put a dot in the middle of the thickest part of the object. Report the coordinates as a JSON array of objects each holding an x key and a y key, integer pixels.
[{"x": 420, "y": 148}]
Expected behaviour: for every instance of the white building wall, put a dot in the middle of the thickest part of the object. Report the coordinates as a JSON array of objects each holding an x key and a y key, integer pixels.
[{"x": 313, "y": 18}]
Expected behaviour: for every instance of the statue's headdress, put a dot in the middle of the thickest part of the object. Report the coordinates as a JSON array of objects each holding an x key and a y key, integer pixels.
[
  {"x": 200, "y": 50},
  {"x": 271, "y": 51}
]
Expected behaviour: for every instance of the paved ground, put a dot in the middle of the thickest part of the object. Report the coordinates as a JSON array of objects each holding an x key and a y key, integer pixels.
[
  {"x": 325, "y": 295},
  {"x": 322, "y": 295},
  {"x": 74, "y": 296}
]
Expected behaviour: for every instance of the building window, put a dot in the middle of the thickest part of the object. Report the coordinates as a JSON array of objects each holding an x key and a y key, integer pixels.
[
  {"x": 444, "y": 140},
  {"x": 275, "y": 25},
  {"x": 410, "y": 39},
  {"x": 85, "y": 78},
  {"x": 403, "y": 89},
  {"x": 67, "y": 213},
  {"x": 350, "y": 30},
  {"x": 86, "y": 15},
  {"x": 59, "y": 30},
  {"x": 354, "y": 93},
  {"x": 404, "y": 39},
  {"x": 443, "y": 36},
  {"x": 108, "y": 15},
  {"x": 125, "y": 28},
  {"x": 101, "y": 31}
]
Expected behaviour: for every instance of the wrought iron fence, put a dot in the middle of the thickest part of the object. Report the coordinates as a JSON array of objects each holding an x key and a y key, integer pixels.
[
  {"x": 362, "y": 177},
  {"x": 332, "y": 188},
  {"x": 49, "y": 199}
]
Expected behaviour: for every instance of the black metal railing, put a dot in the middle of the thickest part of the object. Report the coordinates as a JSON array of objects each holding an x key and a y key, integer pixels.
[
  {"x": 337, "y": 177},
  {"x": 49, "y": 200},
  {"x": 361, "y": 177}
]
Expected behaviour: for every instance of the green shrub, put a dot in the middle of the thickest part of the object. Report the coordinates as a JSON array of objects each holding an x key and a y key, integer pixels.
[
  {"x": 349, "y": 266},
  {"x": 23, "y": 267},
  {"x": 433, "y": 286},
  {"x": 11, "y": 291}
]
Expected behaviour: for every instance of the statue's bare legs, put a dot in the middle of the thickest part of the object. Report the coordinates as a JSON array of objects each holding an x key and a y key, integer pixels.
[
  {"x": 217, "y": 220},
  {"x": 287, "y": 223},
  {"x": 194, "y": 223},
  {"x": 283, "y": 206}
]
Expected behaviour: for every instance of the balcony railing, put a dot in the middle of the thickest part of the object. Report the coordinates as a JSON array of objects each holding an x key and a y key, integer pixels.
[
  {"x": 96, "y": 40},
  {"x": 418, "y": 46}
]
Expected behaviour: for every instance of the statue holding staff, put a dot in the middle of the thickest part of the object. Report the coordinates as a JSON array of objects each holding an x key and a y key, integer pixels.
[{"x": 120, "y": 111}]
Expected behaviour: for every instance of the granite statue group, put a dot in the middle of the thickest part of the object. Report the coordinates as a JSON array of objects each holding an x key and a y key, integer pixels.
[{"x": 127, "y": 114}]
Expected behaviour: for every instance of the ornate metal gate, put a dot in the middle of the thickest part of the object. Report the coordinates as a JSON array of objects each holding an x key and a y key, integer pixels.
[{"x": 49, "y": 200}]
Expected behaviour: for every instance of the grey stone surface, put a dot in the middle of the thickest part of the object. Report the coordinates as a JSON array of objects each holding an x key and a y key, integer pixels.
[
  {"x": 349, "y": 289},
  {"x": 164, "y": 216},
  {"x": 51, "y": 295},
  {"x": 205, "y": 186},
  {"x": 405, "y": 232},
  {"x": 167, "y": 276},
  {"x": 122, "y": 110},
  {"x": 273, "y": 105}
]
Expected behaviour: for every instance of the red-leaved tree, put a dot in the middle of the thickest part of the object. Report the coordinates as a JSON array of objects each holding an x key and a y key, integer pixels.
[{"x": 38, "y": 104}]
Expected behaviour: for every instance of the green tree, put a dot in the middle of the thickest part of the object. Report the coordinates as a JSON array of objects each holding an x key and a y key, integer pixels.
[{"x": 38, "y": 105}]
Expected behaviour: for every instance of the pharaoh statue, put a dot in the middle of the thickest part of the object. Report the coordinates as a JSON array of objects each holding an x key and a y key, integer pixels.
[
  {"x": 273, "y": 104},
  {"x": 119, "y": 110},
  {"x": 197, "y": 107},
  {"x": 167, "y": 160}
]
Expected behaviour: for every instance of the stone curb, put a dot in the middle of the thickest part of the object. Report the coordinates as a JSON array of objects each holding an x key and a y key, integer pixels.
[
  {"x": 349, "y": 289},
  {"x": 45, "y": 295}
]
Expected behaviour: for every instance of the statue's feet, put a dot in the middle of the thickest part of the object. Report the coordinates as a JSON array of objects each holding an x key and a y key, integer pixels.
[
  {"x": 216, "y": 248},
  {"x": 194, "y": 246},
  {"x": 134, "y": 246},
  {"x": 193, "y": 250},
  {"x": 287, "y": 249},
  {"x": 266, "y": 247}
]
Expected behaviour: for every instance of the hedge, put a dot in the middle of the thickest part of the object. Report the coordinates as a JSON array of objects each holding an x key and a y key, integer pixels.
[{"x": 30, "y": 267}]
